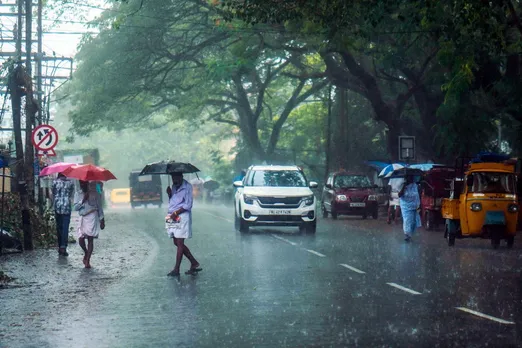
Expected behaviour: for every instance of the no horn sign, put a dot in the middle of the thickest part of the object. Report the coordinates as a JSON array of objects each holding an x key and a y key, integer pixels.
[{"x": 45, "y": 139}]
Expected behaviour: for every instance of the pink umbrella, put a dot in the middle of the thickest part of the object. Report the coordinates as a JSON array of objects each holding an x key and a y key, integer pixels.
[{"x": 55, "y": 168}]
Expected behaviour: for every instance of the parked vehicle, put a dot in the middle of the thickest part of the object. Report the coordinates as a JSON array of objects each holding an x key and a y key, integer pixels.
[
  {"x": 348, "y": 193},
  {"x": 275, "y": 196},
  {"x": 483, "y": 203},
  {"x": 121, "y": 196},
  {"x": 145, "y": 189},
  {"x": 435, "y": 186}
]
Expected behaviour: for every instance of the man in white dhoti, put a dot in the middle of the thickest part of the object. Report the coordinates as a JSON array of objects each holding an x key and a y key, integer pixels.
[
  {"x": 88, "y": 203},
  {"x": 179, "y": 221}
]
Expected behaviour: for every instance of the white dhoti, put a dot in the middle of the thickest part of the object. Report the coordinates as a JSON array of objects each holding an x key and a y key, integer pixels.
[
  {"x": 181, "y": 229},
  {"x": 89, "y": 225}
]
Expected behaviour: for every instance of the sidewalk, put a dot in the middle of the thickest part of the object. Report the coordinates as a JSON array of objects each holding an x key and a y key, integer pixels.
[{"x": 46, "y": 284}]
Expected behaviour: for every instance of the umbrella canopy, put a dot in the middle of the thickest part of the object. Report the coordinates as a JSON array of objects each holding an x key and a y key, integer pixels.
[
  {"x": 88, "y": 172},
  {"x": 405, "y": 171},
  {"x": 425, "y": 166},
  {"x": 168, "y": 167},
  {"x": 211, "y": 185},
  {"x": 56, "y": 168},
  {"x": 388, "y": 170}
]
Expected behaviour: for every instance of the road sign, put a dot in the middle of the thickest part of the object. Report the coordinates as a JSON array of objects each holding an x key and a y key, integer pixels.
[
  {"x": 45, "y": 138},
  {"x": 406, "y": 148}
]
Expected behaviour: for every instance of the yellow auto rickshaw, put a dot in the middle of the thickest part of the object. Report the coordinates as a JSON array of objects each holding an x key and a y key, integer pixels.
[
  {"x": 483, "y": 204},
  {"x": 121, "y": 196}
]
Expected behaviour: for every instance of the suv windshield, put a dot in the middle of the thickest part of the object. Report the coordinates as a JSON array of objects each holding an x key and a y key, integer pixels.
[
  {"x": 283, "y": 178},
  {"x": 351, "y": 181},
  {"x": 493, "y": 183}
]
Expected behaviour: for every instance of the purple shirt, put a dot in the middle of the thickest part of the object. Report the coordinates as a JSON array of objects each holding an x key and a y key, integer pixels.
[{"x": 181, "y": 198}]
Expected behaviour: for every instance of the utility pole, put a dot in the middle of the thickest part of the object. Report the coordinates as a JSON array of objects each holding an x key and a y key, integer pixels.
[
  {"x": 328, "y": 134},
  {"x": 27, "y": 179}
]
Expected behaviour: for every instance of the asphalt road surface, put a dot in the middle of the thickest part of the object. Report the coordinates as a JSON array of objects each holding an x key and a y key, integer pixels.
[{"x": 353, "y": 283}]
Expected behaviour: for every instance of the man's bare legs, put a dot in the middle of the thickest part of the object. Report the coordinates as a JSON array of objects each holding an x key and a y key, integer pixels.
[
  {"x": 87, "y": 250},
  {"x": 182, "y": 249}
]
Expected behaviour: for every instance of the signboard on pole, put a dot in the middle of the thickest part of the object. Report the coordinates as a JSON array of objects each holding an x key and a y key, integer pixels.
[
  {"x": 407, "y": 148},
  {"x": 45, "y": 139}
]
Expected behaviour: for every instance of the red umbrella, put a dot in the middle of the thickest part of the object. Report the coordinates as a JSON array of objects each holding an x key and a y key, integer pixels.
[
  {"x": 88, "y": 172},
  {"x": 55, "y": 168}
]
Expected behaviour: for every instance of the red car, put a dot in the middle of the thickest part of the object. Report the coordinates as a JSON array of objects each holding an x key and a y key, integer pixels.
[{"x": 349, "y": 194}]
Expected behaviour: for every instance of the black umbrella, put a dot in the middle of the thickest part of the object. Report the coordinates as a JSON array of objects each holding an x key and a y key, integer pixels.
[{"x": 168, "y": 167}]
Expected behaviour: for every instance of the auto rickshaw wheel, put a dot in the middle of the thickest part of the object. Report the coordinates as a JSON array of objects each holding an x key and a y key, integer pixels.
[
  {"x": 495, "y": 242},
  {"x": 510, "y": 241},
  {"x": 375, "y": 214},
  {"x": 451, "y": 239},
  {"x": 449, "y": 235}
]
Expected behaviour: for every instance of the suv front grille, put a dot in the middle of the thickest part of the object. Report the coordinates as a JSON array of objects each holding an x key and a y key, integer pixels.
[{"x": 282, "y": 202}]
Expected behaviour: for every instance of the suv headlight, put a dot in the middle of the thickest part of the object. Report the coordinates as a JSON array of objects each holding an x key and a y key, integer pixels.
[
  {"x": 341, "y": 198},
  {"x": 308, "y": 200},
  {"x": 372, "y": 197},
  {"x": 249, "y": 199}
]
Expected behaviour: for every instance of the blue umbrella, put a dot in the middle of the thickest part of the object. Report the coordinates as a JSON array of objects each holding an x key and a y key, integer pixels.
[{"x": 389, "y": 169}]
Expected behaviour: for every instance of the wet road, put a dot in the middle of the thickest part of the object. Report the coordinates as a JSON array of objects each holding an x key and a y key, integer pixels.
[{"x": 353, "y": 283}]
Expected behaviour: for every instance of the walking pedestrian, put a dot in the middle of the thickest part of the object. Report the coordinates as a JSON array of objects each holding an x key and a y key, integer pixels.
[
  {"x": 88, "y": 203},
  {"x": 62, "y": 192},
  {"x": 179, "y": 221},
  {"x": 410, "y": 207}
]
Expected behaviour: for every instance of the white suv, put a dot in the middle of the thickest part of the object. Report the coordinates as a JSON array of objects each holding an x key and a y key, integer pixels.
[{"x": 275, "y": 196}]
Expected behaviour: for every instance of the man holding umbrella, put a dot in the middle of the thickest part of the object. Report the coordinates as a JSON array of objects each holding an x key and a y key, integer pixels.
[{"x": 179, "y": 221}]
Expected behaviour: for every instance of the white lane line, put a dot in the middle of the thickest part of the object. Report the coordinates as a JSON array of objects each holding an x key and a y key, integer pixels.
[
  {"x": 219, "y": 217},
  {"x": 404, "y": 288},
  {"x": 284, "y": 239},
  {"x": 315, "y": 253},
  {"x": 482, "y": 315},
  {"x": 352, "y": 268}
]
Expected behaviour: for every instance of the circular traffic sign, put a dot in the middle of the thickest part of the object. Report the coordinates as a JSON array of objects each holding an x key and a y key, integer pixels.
[{"x": 45, "y": 137}]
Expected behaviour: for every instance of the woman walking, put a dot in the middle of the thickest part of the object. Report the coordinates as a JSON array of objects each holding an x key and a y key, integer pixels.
[
  {"x": 410, "y": 205},
  {"x": 88, "y": 203}
]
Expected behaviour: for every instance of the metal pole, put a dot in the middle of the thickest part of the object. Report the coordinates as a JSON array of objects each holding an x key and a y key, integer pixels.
[
  {"x": 328, "y": 131},
  {"x": 2, "y": 205}
]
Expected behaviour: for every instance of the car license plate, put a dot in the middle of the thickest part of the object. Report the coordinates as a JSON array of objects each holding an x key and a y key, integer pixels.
[
  {"x": 279, "y": 212},
  {"x": 358, "y": 205}
]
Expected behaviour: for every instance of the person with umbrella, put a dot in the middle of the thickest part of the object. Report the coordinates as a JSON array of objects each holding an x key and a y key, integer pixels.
[
  {"x": 179, "y": 221},
  {"x": 410, "y": 206},
  {"x": 62, "y": 194},
  {"x": 88, "y": 203}
]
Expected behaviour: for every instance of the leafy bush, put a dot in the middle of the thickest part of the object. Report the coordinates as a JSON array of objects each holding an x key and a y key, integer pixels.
[{"x": 42, "y": 225}]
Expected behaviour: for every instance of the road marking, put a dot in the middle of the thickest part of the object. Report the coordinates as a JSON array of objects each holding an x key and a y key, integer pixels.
[
  {"x": 352, "y": 268},
  {"x": 404, "y": 288},
  {"x": 220, "y": 217},
  {"x": 315, "y": 252},
  {"x": 283, "y": 239},
  {"x": 482, "y": 315}
]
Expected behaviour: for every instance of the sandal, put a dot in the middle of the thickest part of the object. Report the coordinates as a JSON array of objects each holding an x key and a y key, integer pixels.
[
  {"x": 173, "y": 274},
  {"x": 193, "y": 271}
]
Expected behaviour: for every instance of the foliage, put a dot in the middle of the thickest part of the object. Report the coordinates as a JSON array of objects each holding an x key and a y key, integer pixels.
[{"x": 43, "y": 226}]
